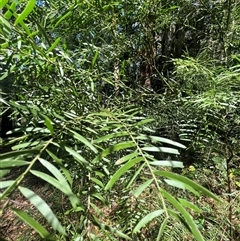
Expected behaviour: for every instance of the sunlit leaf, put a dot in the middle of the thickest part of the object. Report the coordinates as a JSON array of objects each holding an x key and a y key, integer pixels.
[
  {"x": 167, "y": 163},
  {"x": 43, "y": 208},
  {"x": 126, "y": 158},
  {"x": 4, "y": 184},
  {"x": 161, "y": 149},
  {"x": 3, "y": 172},
  {"x": 110, "y": 136},
  {"x": 28, "y": 9},
  {"x": 60, "y": 163},
  {"x": 11, "y": 9},
  {"x": 62, "y": 186}
]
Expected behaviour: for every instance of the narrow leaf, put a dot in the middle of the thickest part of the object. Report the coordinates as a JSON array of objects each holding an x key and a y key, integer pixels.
[
  {"x": 110, "y": 136},
  {"x": 11, "y": 9},
  {"x": 175, "y": 183},
  {"x": 117, "y": 147},
  {"x": 3, "y": 172},
  {"x": 126, "y": 158},
  {"x": 48, "y": 124},
  {"x": 162, "y": 228},
  {"x": 190, "y": 205},
  {"x": 189, "y": 220},
  {"x": 4, "y": 184},
  {"x": 167, "y": 163},
  {"x": 3, "y": 3},
  {"x": 161, "y": 149},
  {"x": 63, "y": 188},
  {"x": 121, "y": 171},
  {"x": 63, "y": 17},
  {"x": 28, "y": 9},
  {"x": 142, "y": 187},
  {"x": 53, "y": 46},
  {"x": 189, "y": 182},
  {"x": 148, "y": 218},
  {"x": 34, "y": 224},
  {"x": 97, "y": 181},
  {"x": 84, "y": 141},
  {"x": 12, "y": 163},
  {"x": 43, "y": 208},
  {"x": 60, "y": 163},
  {"x": 76, "y": 155},
  {"x": 95, "y": 58}
]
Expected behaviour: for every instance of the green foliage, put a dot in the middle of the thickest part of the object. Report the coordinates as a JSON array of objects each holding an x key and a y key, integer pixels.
[{"x": 83, "y": 131}]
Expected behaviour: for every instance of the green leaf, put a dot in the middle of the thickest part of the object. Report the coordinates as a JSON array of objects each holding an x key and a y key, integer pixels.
[
  {"x": 84, "y": 141},
  {"x": 144, "y": 122},
  {"x": 175, "y": 183},
  {"x": 3, "y": 172},
  {"x": 13, "y": 163},
  {"x": 161, "y": 149},
  {"x": 95, "y": 58},
  {"x": 80, "y": 159},
  {"x": 122, "y": 171},
  {"x": 188, "y": 182},
  {"x": 10, "y": 11},
  {"x": 190, "y": 205},
  {"x": 48, "y": 124},
  {"x": 6, "y": 29},
  {"x": 137, "y": 172},
  {"x": 3, "y": 3},
  {"x": 126, "y": 158},
  {"x": 43, "y": 208},
  {"x": 162, "y": 228},
  {"x": 55, "y": 172},
  {"x": 111, "y": 136},
  {"x": 160, "y": 139},
  {"x": 18, "y": 153},
  {"x": 63, "y": 187},
  {"x": 110, "y": 229},
  {"x": 189, "y": 220},
  {"x": 117, "y": 147},
  {"x": 60, "y": 163},
  {"x": 167, "y": 163},
  {"x": 28, "y": 9},
  {"x": 4, "y": 184},
  {"x": 34, "y": 224},
  {"x": 65, "y": 15},
  {"x": 27, "y": 144},
  {"x": 142, "y": 187},
  {"x": 148, "y": 218},
  {"x": 97, "y": 181},
  {"x": 53, "y": 46},
  {"x": 99, "y": 197}
]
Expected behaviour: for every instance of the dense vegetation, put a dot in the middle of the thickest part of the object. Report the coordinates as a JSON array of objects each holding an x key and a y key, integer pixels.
[{"x": 120, "y": 119}]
